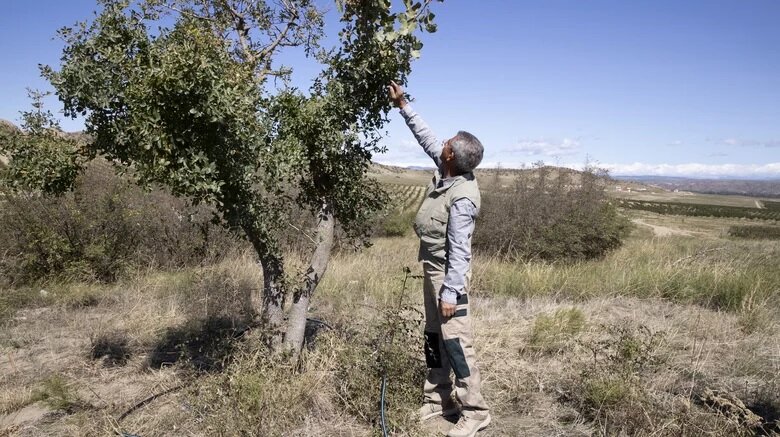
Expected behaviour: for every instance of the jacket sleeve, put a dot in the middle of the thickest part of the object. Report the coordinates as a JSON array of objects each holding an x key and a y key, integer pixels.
[
  {"x": 463, "y": 214},
  {"x": 424, "y": 135}
]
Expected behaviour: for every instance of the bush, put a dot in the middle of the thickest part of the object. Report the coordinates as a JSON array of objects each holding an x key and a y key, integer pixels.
[
  {"x": 385, "y": 349},
  {"x": 755, "y": 232},
  {"x": 610, "y": 390},
  {"x": 397, "y": 224},
  {"x": 104, "y": 226},
  {"x": 550, "y": 216},
  {"x": 259, "y": 394},
  {"x": 262, "y": 393}
]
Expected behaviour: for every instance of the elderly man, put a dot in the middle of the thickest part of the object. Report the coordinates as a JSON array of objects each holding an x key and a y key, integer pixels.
[{"x": 445, "y": 223}]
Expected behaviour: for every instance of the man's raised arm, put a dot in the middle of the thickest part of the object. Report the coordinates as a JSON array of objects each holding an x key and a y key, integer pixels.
[{"x": 424, "y": 135}]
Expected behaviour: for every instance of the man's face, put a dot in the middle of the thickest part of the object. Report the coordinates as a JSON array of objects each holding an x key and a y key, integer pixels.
[{"x": 446, "y": 151}]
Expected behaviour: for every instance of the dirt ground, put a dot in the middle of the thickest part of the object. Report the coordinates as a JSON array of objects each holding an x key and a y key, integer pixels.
[
  {"x": 662, "y": 231},
  {"x": 524, "y": 387}
]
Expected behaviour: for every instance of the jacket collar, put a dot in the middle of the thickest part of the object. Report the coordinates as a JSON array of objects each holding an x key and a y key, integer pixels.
[{"x": 440, "y": 185}]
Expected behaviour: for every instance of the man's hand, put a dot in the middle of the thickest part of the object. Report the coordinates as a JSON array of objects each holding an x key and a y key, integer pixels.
[
  {"x": 446, "y": 309},
  {"x": 396, "y": 94}
]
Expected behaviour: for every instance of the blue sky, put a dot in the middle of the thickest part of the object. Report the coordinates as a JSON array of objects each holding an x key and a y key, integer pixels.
[{"x": 654, "y": 87}]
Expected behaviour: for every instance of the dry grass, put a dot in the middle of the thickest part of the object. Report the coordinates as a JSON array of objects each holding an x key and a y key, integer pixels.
[{"x": 711, "y": 303}]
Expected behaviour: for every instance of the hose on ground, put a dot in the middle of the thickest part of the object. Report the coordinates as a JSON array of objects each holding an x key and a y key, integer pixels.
[{"x": 382, "y": 404}]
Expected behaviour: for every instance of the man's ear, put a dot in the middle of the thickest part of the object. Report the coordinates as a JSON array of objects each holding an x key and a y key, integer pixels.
[{"x": 451, "y": 156}]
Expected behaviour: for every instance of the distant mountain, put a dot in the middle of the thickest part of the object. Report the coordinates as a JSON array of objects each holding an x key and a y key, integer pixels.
[
  {"x": 684, "y": 178},
  {"x": 744, "y": 187}
]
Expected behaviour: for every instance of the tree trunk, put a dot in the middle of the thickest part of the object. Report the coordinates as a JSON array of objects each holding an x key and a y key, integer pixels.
[
  {"x": 270, "y": 305},
  {"x": 274, "y": 293},
  {"x": 296, "y": 325}
]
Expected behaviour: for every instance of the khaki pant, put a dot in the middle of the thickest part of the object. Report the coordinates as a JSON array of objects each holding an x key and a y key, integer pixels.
[{"x": 449, "y": 348}]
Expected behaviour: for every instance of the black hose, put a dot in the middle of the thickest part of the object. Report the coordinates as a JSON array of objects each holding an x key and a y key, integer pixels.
[
  {"x": 382, "y": 404},
  {"x": 383, "y": 390}
]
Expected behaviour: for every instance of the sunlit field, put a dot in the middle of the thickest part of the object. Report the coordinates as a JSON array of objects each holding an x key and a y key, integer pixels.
[{"x": 667, "y": 335}]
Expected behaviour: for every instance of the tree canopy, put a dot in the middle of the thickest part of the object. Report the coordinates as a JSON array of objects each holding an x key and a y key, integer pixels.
[{"x": 189, "y": 94}]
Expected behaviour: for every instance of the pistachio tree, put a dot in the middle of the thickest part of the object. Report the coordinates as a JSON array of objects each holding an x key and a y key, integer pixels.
[{"x": 190, "y": 94}]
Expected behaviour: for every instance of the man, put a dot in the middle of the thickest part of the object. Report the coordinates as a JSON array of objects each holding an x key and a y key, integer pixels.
[{"x": 445, "y": 223}]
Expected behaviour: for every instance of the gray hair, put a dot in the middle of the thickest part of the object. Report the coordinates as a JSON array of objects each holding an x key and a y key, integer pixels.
[{"x": 468, "y": 152}]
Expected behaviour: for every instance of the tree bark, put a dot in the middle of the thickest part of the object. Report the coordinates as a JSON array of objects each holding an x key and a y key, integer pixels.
[
  {"x": 296, "y": 325},
  {"x": 274, "y": 293},
  {"x": 270, "y": 305}
]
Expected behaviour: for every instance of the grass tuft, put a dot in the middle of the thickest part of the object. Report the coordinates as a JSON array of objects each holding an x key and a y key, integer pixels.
[
  {"x": 553, "y": 332},
  {"x": 112, "y": 347},
  {"x": 57, "y": 393}
]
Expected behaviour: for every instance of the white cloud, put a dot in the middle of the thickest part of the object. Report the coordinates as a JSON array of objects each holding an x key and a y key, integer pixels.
[
  {"x": 543, "y": 147},
  {"x": 695, "y": 169},
  {"x": 741, "y": 142},
  {"x": 405, "y": 153}
]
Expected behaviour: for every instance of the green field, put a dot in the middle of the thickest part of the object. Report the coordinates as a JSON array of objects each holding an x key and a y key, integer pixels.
[
  {"x": 772, "y": 205},
  {"x": 659, "y": 195},
  {"x": 699, "y": 210}
]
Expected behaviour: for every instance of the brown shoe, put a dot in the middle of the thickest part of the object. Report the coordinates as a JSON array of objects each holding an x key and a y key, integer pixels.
[
  {"x": 430, "y": 410},
  {"x": 469, "y": 426}
]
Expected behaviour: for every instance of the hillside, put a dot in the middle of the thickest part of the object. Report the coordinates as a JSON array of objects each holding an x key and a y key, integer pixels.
[
  {"x": 505, "y": 177},
  {"x": 744, "y": 187},
  {"x": 644, "y": 190}
]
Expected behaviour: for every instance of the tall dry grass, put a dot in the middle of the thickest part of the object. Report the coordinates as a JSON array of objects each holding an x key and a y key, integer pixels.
[
  {"x": 719, "y": 274},
  {"x": 564, "y": 348}
]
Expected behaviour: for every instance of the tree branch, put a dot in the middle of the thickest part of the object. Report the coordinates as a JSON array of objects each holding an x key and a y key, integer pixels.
[
  {"x": 242, "y": 30},
  {"x": 269, "y": 49},
  {"x": 424, "y": 7},
  {"x": 189, "y": 13}
]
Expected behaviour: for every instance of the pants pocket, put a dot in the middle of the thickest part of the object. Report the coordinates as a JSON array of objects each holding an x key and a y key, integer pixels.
[{"x": 457, "y": 358}]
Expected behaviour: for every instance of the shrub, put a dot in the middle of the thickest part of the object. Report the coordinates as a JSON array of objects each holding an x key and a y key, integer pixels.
[
  {"x": 397, "y": 223},
  {"x": 550, "y": 216},
  {"x": 261, "y": 393},
  {"x": 379, "y": 350},
  {"x": 104, "y": 226},
  {"x": 610, "y": 389}
]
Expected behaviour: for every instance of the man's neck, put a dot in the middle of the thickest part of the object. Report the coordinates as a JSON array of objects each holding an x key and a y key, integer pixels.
[{"x": 447, "y": 171}]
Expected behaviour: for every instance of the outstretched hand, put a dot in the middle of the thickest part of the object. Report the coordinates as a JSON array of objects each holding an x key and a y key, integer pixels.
[{"x": 396, "y": 94}]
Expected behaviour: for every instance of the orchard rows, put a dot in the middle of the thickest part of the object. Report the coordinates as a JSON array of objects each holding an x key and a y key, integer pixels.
[{"x": 405, "y": 197}]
